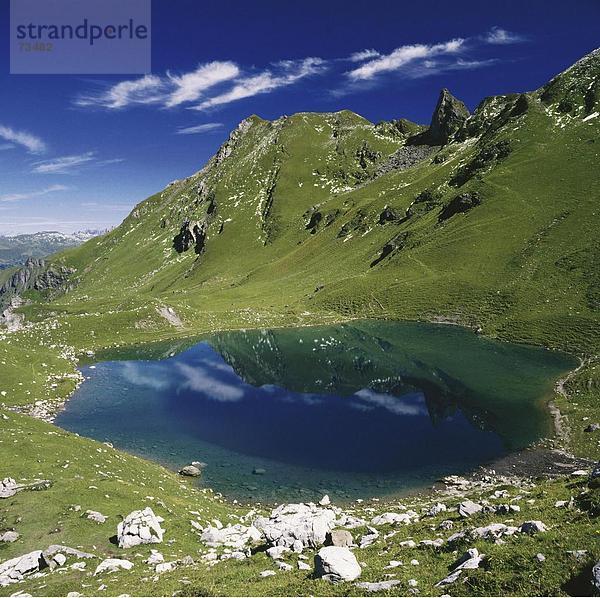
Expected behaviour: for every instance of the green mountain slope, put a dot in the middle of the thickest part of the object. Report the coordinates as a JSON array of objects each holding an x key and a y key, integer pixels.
[
  {"x": 318, "y": 216},
  {"x": 488, "y": 220}
]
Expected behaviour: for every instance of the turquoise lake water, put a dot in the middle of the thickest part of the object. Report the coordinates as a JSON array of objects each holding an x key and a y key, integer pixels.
[{"x": 357, "y": 410}]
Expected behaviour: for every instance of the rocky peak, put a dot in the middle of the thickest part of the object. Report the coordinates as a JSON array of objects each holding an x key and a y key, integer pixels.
[{"x": 448, "y": 116}]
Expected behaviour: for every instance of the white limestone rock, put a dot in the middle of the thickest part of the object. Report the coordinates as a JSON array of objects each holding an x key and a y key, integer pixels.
[
  {"x": 140, "y": 527},
  {"x": 112, "y": 566},
  {"x": 336, "y": 564}
]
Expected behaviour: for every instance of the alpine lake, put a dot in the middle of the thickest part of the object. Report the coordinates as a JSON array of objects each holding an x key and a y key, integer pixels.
[{"x": 359, "y": 410}]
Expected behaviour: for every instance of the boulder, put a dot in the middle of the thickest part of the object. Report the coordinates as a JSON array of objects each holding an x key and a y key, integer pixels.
[
  {"x": 164, "y": 567},
  {"x": 532, "y": 527},
  {"x": 436, "y": 509},
  {"x": 336, "y": 564},
  {"x": 459, "y": 204},
  {"x": 276, "y": 552},
  {"x": 596, "y": 576},
  {"x": 17, "y": 569},
  {"x": 140, "y": 527},
  {"x": 54, "y": 549},
  {"x": 368, "y": 539},
  {"x": 96, "y": 516},
  {"x": 231, "y": 536},
  {"x": 296, "y": 526},
  {"x": 9, "y": 537},
  {"x": 393, "y": 518},
  {"x": 469, "y": 560},
  {"x": 468, "y": 508},
  {"x": 190, "y": 471},
  {"x": 155, "y": 558},
  {"x": 267, "y": 573},
  {"x": 113, "y": 565},
  {"x": 339, "y": 537},
  {"x": 325, "y": 501},
  {"x": 378, "y": 586},
  {"x": 592, "y": 428},
  {"x": 8, "y": 488},
  {"x": 493, "y": 531}
]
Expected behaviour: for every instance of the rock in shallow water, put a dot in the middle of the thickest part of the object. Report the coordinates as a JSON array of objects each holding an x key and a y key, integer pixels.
[{"x": 190, "y": 471}]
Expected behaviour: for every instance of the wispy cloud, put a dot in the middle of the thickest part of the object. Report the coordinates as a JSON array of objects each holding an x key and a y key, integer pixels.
[
  {"x": 70, "y": 164},
  {"x": 191, "y": 86},
  {"x": 33, "y": 194},
  {"x": 62, "y": 165},
  {"x": 33, "y": 144},
  {"x": 199, "y": 379},
  {"x": 166, "y": 91},
  {"x": 218, "y": 83},
  {"x": 411, "y": 404},
  {"x": 497, "y": 35},
  {"x": 146, "y": 90},
  {"x": 287, "y": 73},
  {"x": 205, "y": 128},
  {"x": 172, "y": 90},
  {"x": 364, "y": 55},
  {"x": 402, "y": 57}
]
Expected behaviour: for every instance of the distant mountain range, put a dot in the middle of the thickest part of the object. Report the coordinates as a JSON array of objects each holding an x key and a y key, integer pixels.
[{"x": 16, "y": 250}]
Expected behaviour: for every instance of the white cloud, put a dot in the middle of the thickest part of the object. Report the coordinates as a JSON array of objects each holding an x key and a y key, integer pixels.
[
  {"x": 403, "y": 57},
  {"x": 205, "y": 128},
  {"x": 396, "y": 405},
  {"x": 138, "y": 376},
  {"x": 190, "y": 86},
  {"x": 288, "y": 73},
  {"x": 33, "y": 194},
  {"x": 33, "y": 144},
  {"x": 146, "y": 90},
  {"x": 62, "y": 165},
  {"x": 364, "y": 55},
  {"x": 198, "y": 379},
  {"x": 500, "y": 36}
]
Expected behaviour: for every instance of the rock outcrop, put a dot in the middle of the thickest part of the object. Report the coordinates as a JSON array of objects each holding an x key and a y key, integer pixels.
[
  {"x": 448, "y": 117},
  {"x": 191, "y": 234},
  {"x": 296, "y": 526},
  {"x": 36, "y": 275}
]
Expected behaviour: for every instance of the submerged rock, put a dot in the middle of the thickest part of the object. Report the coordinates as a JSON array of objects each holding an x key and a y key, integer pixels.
[{"x": 191, "y": 471}]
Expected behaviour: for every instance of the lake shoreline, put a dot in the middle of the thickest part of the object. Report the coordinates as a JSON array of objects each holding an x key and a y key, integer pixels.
[{"x": 530, "y": 461}]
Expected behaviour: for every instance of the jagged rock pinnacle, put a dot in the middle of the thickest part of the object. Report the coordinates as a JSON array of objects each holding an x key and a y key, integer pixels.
[{"x": 448, "y": 116}]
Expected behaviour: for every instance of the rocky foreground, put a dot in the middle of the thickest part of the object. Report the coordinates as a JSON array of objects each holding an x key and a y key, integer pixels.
[{"x": 321, "y": 541}]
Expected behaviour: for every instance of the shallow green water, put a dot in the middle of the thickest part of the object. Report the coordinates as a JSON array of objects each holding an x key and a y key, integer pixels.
[{"x": 358, "y": 410}]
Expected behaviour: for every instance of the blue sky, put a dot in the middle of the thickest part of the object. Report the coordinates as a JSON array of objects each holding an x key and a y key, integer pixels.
[{"x": 79, "y": 151}]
